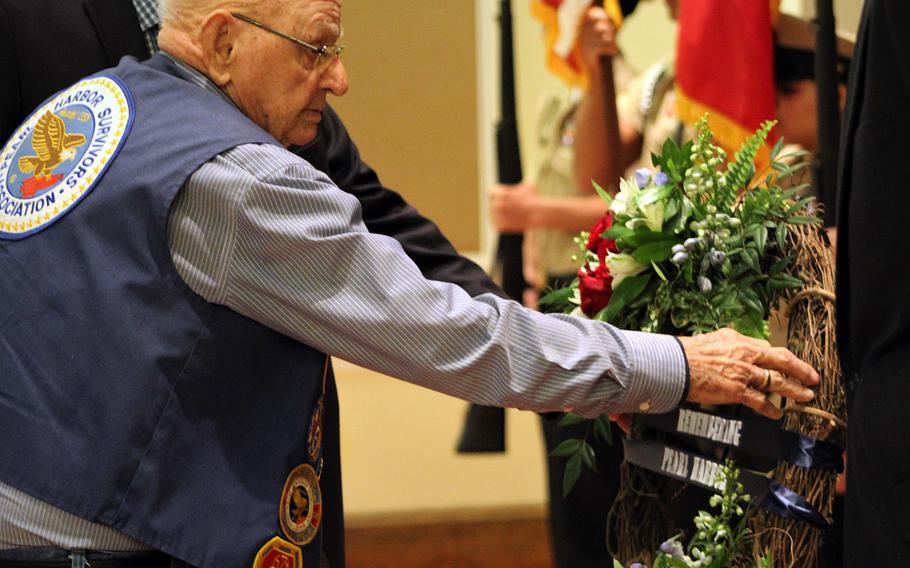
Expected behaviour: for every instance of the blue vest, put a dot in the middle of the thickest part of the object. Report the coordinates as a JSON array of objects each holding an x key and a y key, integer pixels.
[{"x": 127, "y": 399}]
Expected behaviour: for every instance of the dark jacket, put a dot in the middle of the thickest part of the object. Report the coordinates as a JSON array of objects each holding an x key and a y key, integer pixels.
[{"x": 872, "y": 304}]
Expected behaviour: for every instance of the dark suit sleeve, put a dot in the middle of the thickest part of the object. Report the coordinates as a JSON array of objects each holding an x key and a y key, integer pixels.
[
  {"x": 386, "y": 213},
  {"x": 897, "y": 19},
  {"x": 9, "y": 82}
]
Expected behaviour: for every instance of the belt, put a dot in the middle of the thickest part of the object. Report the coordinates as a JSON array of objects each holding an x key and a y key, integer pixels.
[{"x": 152, "y": 560}]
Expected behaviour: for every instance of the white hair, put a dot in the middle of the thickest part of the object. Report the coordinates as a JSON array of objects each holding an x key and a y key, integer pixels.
[{"x": 187, "y": 12}]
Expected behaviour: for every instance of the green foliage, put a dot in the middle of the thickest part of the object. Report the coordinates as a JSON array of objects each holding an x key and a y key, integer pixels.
[
  {"x": 742, "y": 170},
  {"x": 578, "y": 451},
  {"x": 607, "y": 198},
  {"x": 558, "y": 300},
  {"x": 709, "y": 242},
  {"x": 722, "y": 539},
  {"x": 731, "y": 233},
  {"x": 627, "y": 291}
]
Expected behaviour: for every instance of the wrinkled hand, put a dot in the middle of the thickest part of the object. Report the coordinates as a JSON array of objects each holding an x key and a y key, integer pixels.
[
  {"x": 512, "y": 206},
  {"x": 729, "y": 368},
  {"x": 597, "y": 36}
]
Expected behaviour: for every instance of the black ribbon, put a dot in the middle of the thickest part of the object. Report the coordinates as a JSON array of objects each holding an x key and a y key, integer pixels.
[
  {"x": 701, "y": 471},
  {"x": 752, "y": 435}
]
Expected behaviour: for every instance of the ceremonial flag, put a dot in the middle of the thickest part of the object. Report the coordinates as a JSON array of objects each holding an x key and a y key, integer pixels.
[
  {"x": 725, "y": 67},
  {"x": 561, "y": 19}
]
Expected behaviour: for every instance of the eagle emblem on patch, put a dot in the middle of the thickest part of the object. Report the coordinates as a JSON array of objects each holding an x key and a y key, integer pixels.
[
  {"x": 60, "y": 153},
  {"x": 300, "y": 513}
]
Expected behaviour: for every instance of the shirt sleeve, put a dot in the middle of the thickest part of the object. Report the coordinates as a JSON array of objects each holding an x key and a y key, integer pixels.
[
  {"x": 385, "y": 212},
  {"x": 264, "y": 233}
]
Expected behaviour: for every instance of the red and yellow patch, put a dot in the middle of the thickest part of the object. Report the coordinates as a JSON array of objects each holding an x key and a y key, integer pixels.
[{"x": 278, "y": 553}]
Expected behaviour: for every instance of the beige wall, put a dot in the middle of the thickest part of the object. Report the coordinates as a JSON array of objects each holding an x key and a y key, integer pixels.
[
  {"x": 412, "y": 104},
  {"x": 846, "y": 12},
  {"x": 398, "y": 453}
]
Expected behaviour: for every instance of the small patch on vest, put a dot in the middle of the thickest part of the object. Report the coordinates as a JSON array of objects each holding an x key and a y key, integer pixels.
[
  {"x": 60, "y": 154},
  {"x": 300, "y": 513},
  {"x": 314, "y": 438},
  {"x": 278, "y": 553}
]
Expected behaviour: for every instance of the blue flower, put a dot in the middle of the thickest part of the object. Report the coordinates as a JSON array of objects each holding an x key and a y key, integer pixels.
[
  {"x": 642, "y": 177},
  {"x": 661, "y": 178},
  {"x": 637, "y": 565}
]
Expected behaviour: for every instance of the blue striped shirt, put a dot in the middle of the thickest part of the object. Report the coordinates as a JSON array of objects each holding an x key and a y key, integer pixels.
[{"x": 261, "y": 231}]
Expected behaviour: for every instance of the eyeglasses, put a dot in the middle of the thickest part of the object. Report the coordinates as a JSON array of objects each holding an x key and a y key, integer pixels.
[{"x": 324, "y": 54}]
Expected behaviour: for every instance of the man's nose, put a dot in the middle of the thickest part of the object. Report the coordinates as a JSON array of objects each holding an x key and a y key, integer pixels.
[{"x": 335, "y": 78}]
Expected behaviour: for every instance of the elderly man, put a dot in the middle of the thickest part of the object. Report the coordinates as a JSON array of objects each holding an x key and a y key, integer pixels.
[{"x": 178, "y": 281}]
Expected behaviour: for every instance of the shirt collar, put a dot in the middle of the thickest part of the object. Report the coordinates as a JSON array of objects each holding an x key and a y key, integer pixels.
[
  {"x": 147, "y": 10},
  {"x": 193, "y": 75}
]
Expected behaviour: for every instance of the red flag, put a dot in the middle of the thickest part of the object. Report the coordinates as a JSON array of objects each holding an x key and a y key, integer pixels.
[{"x": 724, "y": 66}]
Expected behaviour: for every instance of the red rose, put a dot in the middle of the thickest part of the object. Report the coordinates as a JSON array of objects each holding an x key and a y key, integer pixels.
[
  {"x": 595, "y": 288},
  {"x": 598, "y": 244}
]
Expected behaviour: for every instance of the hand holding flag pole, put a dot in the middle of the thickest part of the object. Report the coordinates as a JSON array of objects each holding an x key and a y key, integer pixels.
[{"x": 613, "y": 157}]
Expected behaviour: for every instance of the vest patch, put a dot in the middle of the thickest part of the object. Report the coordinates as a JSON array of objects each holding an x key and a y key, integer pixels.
[
  {"x": 60, "y": 153},
  {"x": 300, "y": 513},
  {"x": 278, "y": 553}
]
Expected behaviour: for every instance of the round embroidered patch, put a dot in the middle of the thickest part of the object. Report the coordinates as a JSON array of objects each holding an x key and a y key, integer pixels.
[
  {"x": 300, "y": 513},
  {"x": 278, "y": 553},
  {"x": 60, "y": 153}
]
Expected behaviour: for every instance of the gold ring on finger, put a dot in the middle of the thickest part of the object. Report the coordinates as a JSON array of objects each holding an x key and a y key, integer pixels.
[{"x": 767, "y": 380}]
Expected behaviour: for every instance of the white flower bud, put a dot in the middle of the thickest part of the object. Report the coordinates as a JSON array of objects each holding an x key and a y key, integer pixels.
[{"x": 680, "y": 257}]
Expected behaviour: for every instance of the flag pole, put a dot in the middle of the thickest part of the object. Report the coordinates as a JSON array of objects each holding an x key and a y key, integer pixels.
[{"x": 826, "y": 155}]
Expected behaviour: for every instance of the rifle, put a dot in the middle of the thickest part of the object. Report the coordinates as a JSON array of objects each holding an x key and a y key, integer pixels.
[{"x": 484, "y": 427}]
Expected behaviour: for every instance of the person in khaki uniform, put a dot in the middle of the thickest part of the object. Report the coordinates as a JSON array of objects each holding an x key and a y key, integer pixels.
[
  {"x": 554, "y": 226},
  {"x": 552, "y": 207}
]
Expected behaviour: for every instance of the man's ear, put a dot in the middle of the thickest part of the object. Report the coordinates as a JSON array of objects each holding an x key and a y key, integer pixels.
[{"x": 217, "y": 35}]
